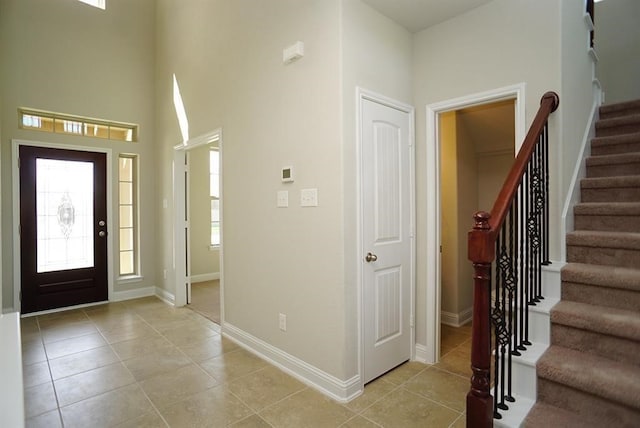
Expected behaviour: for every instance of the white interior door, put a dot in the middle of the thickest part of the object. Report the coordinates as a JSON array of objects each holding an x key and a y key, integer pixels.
[{"x": 387, "y": 246}]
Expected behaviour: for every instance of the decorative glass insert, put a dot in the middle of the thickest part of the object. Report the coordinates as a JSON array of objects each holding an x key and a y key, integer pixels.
[
  {"x": 127, "y": 176},
  {"x": 64, "y": 212}
]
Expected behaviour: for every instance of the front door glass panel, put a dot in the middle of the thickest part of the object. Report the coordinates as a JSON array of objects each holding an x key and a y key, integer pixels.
[{"x": 65, "y": 217}]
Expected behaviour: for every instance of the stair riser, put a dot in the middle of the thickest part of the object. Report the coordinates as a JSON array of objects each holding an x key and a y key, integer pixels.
[
  {"x": 600, "y": 411},
  {"x": 611, "y": 347},
  {"x": 610, "y": 223},
  {"x": 611, "y": 131},
  {"x": 619, "y": 113},
  {"x": 615, "y": 149},
  {"x": 617, "y": 194},
  {"x": 603, "y": 296},
  {"x": 614, "y": 170},
  {"x": 603, "y": 256},
  {"x": 525, "y": 380}
]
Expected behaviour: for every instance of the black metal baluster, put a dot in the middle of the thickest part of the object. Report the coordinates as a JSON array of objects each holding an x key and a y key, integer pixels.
[
  {"x": 510, "y": 285},
  {"x": 545, "y": 148},
  {"x": 495, "y": 320}
]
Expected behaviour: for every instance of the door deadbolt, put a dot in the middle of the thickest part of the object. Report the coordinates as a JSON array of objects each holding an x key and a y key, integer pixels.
[
  {"x": 101, "y": 223},
  {"x": 102, "y": 234},
  {"x": 371, "y": 257}
]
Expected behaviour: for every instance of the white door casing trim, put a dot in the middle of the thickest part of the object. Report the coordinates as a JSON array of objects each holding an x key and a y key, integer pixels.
[
  {"x": 179, "y": 198},
  {"x": 362, "y": 95},
  {"x": 15, "y": 176},
  {"x": 432, "y": 303}
]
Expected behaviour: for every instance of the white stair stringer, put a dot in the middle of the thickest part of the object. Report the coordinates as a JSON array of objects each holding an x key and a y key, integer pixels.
[{"x": 524, "y": 386}]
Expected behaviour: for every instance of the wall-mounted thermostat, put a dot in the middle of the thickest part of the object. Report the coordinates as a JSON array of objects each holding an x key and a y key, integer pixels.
[{"x": 287, "y": 174}]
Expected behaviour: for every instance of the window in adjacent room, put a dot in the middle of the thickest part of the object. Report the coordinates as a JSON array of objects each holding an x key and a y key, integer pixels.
[
  {"x": 128, "y": 209},
  {"x": 214, "y": 191}
]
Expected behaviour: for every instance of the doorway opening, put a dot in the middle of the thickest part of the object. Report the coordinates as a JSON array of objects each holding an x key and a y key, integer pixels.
[
  {"x": 203, "y": 212},
  {"x": 476, "y": 152},
  {"x": 197, "y": 225},
  {"x": 471, "y": 142}
]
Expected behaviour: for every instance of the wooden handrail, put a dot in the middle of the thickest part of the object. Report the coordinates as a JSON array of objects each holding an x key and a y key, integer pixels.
[{"x": 481, "y": 252}]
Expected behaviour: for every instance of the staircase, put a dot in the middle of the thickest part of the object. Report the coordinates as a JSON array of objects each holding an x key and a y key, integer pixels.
[{"x": 590, "y": 375}]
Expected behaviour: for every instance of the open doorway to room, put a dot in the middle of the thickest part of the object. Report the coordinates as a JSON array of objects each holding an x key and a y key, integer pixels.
[
  {"x": 493, "y": 123},
  {"x": 198, "y": 218},
  {"x": 203, "y": 208},
  {"x": 476, "y": 152}
]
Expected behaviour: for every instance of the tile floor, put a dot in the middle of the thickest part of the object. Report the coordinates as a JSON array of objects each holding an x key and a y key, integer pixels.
[
  {"x": 205, "y": 299},
  {"x": 144, "y": 364}
]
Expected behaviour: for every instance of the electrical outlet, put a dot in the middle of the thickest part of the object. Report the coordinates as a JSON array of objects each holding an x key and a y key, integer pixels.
[{"x": 283, "y": 322}]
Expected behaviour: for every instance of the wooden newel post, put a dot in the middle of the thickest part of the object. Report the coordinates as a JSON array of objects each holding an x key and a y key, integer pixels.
[{"x": 481, "y": 254}]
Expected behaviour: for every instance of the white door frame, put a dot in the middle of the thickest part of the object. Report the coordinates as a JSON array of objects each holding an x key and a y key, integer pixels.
[
  {"x": 179, "y": 224},
  {"x": 15, "y": 174},
  {"x": 362, "y": 95},
  {"x": 432, "y": 236}
]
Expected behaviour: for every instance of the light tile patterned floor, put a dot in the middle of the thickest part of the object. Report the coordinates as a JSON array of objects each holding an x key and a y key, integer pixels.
[{"x": 144, "y": 364}]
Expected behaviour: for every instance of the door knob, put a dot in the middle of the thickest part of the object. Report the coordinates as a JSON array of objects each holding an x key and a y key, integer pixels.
[
  {"x": 101, "y": 223},
  {"x": 102, "y": 234},
  {"x": 371, "y": 257}
]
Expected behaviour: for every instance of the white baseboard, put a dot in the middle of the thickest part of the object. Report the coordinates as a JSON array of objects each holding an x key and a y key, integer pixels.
[
  {"x": 421, "y": 354},
  {"x": 205, "y": 277},
  {"x": 456, "y": 320},
  {"x": 136, "y": 293},
  {"x": 339, "y": 390},
  {"x": 165, "y": 296}
]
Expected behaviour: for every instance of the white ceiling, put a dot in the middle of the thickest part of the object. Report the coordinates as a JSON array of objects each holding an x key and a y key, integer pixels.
[{"x": 416, "y": 15}]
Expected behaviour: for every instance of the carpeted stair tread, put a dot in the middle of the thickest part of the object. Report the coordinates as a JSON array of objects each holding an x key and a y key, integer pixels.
[
  {"x": 617, "y": 109},
  {"x": 600, "y": 319},
  {"x": 623, "y": 181},
  {"x": 546, "y": 415},
  {"x": 610, "y": 216},
  {"x": 615, "y": 144},
  {"x": 624, "y": 188},
  {"x": 611, "y": 380},
  {"x": 601, "y": 275},
  {"x": 626, "y": 124},
  {"x": 606, "y": 239},
  {"x": 608, "y": 208},
  {"x": 617, "y": 159}
]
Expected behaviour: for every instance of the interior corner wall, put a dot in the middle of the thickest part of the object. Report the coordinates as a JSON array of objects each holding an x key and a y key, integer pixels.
[
  {"x": 467, "y": 194},
  {"x": 227, "y": 58},
  {"x": 617, "y": 43},
  {"x": 376, "y": 56},
  {"x": 502, "y": 43},
  {"x": 576, "y": 94},
  {"x": 65, "y": 56},
  {"x": 449, "y": 206}
]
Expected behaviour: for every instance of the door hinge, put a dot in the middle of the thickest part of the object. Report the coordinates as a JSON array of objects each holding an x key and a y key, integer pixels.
[
  {"x": 20, "y": 296},
  {"x": 440, "y": 248},
  {"x": 411, "y": 321}
]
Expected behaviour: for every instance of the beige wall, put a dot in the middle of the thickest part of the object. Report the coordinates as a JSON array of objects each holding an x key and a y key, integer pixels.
[
  {"x": 68, "y": 57},
  {"x": 617, "y": 42},
  {"x": 467, "y": 194},
  {"x": 227, "y": 57},
  {"x": 449, "y": 212},
  {"x": 204, "y": 260}
]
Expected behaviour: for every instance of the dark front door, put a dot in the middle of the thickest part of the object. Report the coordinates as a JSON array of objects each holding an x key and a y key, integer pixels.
[{"x": 63, "y": 215}]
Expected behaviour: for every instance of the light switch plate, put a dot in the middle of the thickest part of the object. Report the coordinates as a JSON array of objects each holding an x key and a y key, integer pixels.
[
  {"x": 283, "y": 199},
  {"x": 309, "y": 197}
]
